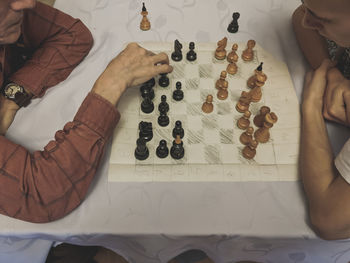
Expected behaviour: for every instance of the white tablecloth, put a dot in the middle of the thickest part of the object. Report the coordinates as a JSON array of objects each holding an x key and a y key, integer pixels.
[{"x": 152, "y": 222}]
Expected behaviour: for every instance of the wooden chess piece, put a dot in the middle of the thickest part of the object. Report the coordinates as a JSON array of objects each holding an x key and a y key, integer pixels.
[
  {"x": 243, "y": 102},
  {"x": 249, "y": 151},
  {"x": 256, "y": 94},
  {"x": 262, "y": 135},
  {"x": 220, "y": 52},
  {"x": 208, "y": 106},
  {"x": 145, "y": 23},
  {"x": 222, "y": 82},
  {"x": 247, "y": 136},
  {"x": 232, "y": 56},
  {"x": 244, "y": 122},
  {"x": 260, "y": 118},
  {"x": 232, "y": 68},
  {"x": 248, "y": 53},
  {"x": 258, "y": 79},
  {"x": 222, "y": 93}
]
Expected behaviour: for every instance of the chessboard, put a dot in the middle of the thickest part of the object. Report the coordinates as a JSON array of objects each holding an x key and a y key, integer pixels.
[{"x": 213, "y": 151}]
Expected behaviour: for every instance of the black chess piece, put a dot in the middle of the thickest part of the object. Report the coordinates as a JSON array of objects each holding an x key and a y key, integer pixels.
[
  {"x": 147, "y": 105},
  {"x": 178, "y": 130},
  {"x": 141, "y": 152},
  {"x": 163, "y": 119},
  {"x": 144, "y": 7},
  {"x": 177, "y": 54},
  {"x": 162, "y": 150},
  {"x": 178, "y": 94},
  {"x": 150, "y": 83},
  {"x": 191, "y": 55},
  {"x": 163, "y": 80},
  {"x": 163, "y": 106},
  {"x": 233, "y": 26},
  {"x": 146, "y": 92},
  {"x": 146, "y": 130},
  {"x": 177, "y": 151}
]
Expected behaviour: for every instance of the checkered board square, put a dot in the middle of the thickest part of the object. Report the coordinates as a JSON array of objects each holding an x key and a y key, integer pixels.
[{"x": 213, "y": 151}]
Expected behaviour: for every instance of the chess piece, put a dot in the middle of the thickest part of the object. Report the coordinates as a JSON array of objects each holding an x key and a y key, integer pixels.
[
  {"x": 147, "y": 105},
  {"x": 146, "y": 92},
  {"x": 248, "y": 53},
  {"x": 222, "y": 93},
  {"x": 222, "y": 82},
  {"x": 178, "y": 130},
  {"x": 233, "y": 26},
  {"x": 260, "y": 118},
  {"x": 231, "y": 68},
  {"x": 258, "y": 79},
  {"x": 162, "y": 150},
  {"x": 145, "y": 24},
  {"x": 191, "y": 55},
  {"x": 163, "y": 80},
  {"x": 256, "y": 94},
  {"x": 163, "y": 105},
  {"x": 249, "y": 151},
  {"x": 243, "y": 102},
  {"x": 262, "y": 135},
  {"x": 247, "y": 136},
  {"x": 232, "y": 56},
  {"x": 177, "y": 151},
  {"x": 220, "y": 52},
  {"x": 177, "y": 54},
  {"x": 141, "y": 152},
  {"x": 178, "y": 94},
  {"x": 244, "y": 122},
  {"x": 163, "y": 119},
  {"x": 146, "y": 130},
  {"x": 150, "y": 83},
  {"x": 208, "y": 106}
]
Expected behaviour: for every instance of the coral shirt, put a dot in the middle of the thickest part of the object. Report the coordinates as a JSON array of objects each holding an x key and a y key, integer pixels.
[{"x": 48, "y": 184}]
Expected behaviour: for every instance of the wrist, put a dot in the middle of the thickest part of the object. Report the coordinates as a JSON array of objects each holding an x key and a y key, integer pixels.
[{"x": 111, "y": 90}]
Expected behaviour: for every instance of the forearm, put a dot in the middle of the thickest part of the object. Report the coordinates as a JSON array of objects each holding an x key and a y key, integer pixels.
[{"x": 312, "y": 44}]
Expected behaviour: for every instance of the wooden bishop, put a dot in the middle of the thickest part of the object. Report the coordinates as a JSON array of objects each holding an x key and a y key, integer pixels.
[{"x": 145, "y": 23}]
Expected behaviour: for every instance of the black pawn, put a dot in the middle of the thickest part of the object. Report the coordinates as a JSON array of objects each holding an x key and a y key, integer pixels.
[
  {"x": 163, "y": 106},
  {"x": 177, "y": 54},
  {"x": 178, "y": 130},
  {"x": 163, "y": 119},
  {"x": 191, "y": 55},
  {"x": 177, "y": 151},
  {"x": 163, "y": 80},
  {"x": 146, "y": 92},
  {"x": 146, "y": 130},
  {"x": 147, "y": 105},
  {"x": 178, "y": 94},
  {"x": 141, "y": 151},
  {"x": 162, "y": 150},
  {"x": 150, "y": 83},
  {"x": 233, "y": 26}
]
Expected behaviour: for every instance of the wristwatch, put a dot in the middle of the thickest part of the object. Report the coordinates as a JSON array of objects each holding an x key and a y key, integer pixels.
[{"x": 17, "y": 94}]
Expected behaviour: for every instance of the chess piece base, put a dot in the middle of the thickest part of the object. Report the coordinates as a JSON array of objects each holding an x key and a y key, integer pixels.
[
  {"x": 220, "y": 55},
  {"x": 207, "y": 107},
  {"x": 248, "y": 153},
  {"x": 231, "y": 68}
]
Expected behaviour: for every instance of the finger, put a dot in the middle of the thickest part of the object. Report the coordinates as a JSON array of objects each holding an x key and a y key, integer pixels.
[
  {"x": 150, "y": 53},
  {"x": 161, "y": 58},
  {"x": 334, "y": 76},
  {"x": 162, "y": 68},
  {"x": 336, "y": 108},
  {"x": 320, "y": 74}
]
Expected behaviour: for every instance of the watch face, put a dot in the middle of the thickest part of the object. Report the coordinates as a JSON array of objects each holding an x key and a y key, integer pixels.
[{"x": 11, "y": 90}]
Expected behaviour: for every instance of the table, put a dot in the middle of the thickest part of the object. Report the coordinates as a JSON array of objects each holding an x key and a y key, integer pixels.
[{"x": 152, "y": 222}]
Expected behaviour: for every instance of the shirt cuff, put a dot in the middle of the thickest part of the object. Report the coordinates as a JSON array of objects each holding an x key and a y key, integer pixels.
[
  {"x": 342, "y": 162},
  {"x": 98, "y": 114}
]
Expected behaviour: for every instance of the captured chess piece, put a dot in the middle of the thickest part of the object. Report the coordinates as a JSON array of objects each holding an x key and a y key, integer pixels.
[
  {"x": 146, "y": 92},
  {"x": 177, "y": 54},
  {"x": 258, "y": 79},
  {"x": 177, "y": 151},
  {"x": 147, "y": 105},
  {"x": 145, "y": 24},
  {"x": 222, "y": 93},
  {"x": 162, "y": 150},
  {"x": 233, "y": 26},
  {"x": 146, "y": 130},
  {"x": 222, "y": 82},
  {"x": 260, "y": 118},
  {"x": 178, "y": 130},
  {"x": 249, "y": 151},
  {"x": 220, "y": 52},
  {"x": 178, "y": 94},
  {"x": 208, "y": 106},
  {"x": 262, "y": 135},
  {"x": 191, "y": 54},
  {"x": 163, "y": 80},
  {"x": 231, "y": 68},
  {"x": 247, "y": 136},
  {"x": 141, "y": 152},
  {"x": 244, "y": 122},
  {"x": 163, "y": 119},
  {"x": 232, "y": 56},
  {"x": 243, "y": 102},
  {"x": 163, "y": 105},
  {"x": 248, "y": 53}
]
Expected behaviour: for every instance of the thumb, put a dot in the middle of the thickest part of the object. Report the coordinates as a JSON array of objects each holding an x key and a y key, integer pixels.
[{"x": 319, "y": 79}]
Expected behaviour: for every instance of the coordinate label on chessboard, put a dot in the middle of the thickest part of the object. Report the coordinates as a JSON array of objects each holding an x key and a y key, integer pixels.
[{"x": 213, "y": 151}]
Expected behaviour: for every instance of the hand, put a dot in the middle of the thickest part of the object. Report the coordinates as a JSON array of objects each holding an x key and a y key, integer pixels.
[
  {"x": 8, "y": 110},
  {"x": 337, "y": 98},
  {"x": 133, "y": 66}
]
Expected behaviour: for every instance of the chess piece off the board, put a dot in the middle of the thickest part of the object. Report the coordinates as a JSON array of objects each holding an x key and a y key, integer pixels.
[
  {"x": 141, "y": 152},
  {"x": 222, "y": 82},
  {"x": 208, "y": 106},
  {"x": 243, "y": 102},
  {"x": 244, "y": 122},
  {"x": 233, "y": 26},
  {"x": 220, "y": 52},
  {"x": 247, "y": 136},
  {"x": 177, "y": 151},
  {"x": 260, "y": 118},
  {"x": 162, "y": 150},
  {"x": 249, "y": 151},
  {"x": 248, "y": 53},
  {"x": 145, "y": 23},
  {"x": 262, "y": 135}
]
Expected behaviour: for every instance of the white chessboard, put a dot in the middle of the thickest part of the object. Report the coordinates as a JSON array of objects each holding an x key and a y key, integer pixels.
[{"x": 213, "y": 151}]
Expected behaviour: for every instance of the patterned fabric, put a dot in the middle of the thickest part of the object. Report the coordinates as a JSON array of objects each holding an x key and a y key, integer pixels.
[{"x": 344, "y": 61}]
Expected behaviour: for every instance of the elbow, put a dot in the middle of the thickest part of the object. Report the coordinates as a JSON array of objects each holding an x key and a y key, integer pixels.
[{"x": 83, "y": 37}]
